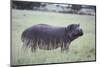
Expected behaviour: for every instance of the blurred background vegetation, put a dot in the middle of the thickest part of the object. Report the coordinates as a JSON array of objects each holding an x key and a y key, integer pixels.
[{"x": 55, "y": 7}]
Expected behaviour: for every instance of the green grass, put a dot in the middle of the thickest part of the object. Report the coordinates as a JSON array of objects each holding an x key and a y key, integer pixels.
[{"x": 81, "y": 49}]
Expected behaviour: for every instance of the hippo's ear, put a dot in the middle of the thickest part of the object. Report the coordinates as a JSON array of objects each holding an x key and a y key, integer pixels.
[
  {"x": 69, "y": 27},
  {"x": 78, "y": 25},
  {"x": 72, "y": 26}
]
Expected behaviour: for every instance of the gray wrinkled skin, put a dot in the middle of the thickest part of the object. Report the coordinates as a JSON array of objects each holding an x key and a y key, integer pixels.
[{"x": 48, "y": 37}]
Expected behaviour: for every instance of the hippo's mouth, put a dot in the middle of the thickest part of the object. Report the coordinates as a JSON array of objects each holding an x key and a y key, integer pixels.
[{"x": 78, "y": 33}]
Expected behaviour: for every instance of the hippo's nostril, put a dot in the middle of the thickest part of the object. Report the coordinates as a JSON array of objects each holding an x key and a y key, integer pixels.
[{"x": 81, "y": 32}]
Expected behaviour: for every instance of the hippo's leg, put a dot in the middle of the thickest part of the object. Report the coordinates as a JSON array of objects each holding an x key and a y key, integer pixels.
[
  {"x": 65, "y": 47},
  {"x": 33, "y": 46}
]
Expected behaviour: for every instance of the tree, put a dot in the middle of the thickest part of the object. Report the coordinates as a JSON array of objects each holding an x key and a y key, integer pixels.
[
  {"x": 76, "y": 8},
  {"x": 25, "y": 5}
]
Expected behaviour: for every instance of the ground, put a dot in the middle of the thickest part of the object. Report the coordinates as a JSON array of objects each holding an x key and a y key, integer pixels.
[{"x": 81, "y": 49}]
